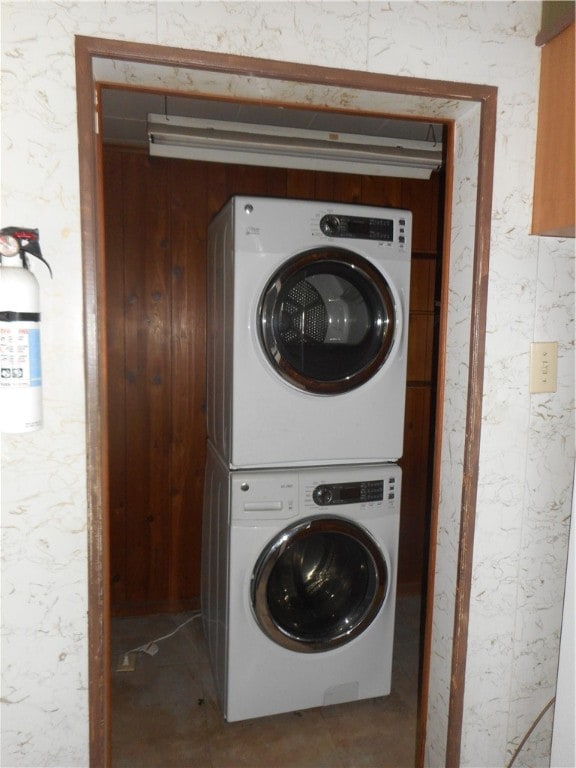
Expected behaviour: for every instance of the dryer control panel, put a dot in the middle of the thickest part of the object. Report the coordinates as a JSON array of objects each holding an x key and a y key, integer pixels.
[
  {"x": 361, "y": 227},
  {"x": 348, "y": 493}
]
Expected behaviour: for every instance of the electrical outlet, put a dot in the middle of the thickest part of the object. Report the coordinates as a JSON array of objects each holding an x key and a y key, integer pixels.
[
  {"x": 543, "y": 366},
  {"x": 126, "y": 663}
]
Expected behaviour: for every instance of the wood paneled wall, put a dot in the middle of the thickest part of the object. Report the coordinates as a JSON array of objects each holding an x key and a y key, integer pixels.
[{"x": 156, "y": 216}]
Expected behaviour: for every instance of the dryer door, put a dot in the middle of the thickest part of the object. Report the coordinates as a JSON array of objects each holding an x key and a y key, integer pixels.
[
  {"x": 327, "y": 320},
  {"x": 319, "y": 584}
]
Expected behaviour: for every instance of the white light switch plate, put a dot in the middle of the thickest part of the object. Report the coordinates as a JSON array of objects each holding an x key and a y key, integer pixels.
[{"x": 543, "y": 366}]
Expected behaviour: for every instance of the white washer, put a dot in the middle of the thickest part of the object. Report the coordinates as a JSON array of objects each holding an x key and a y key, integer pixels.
[
  {"x": 299, "y": 584},
  {"x": 307, "y": 332}
]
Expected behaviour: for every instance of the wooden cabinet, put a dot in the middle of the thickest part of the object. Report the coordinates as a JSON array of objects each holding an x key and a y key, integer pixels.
[
  {"x": 554, "y": 200},
  {"x": 157, "y": 212}
]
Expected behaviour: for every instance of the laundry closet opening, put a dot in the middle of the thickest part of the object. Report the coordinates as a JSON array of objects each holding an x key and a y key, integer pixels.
[
  {"x": 156, "y": 216},
  {"x": 157, "y": 212},
  {"x": 469, "y": 111}
]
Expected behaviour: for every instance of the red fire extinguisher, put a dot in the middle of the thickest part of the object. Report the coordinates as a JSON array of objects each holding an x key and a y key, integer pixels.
[{"x": 20, "y": 360}]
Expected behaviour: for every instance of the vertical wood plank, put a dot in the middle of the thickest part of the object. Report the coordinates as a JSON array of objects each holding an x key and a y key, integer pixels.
[
  {"x": 136, "y": 554},
  {"x": 324, "y": 187},
  {"x": 420, "y": 348},
  {"x": 116, "y": 350},
  {"x": 217, "y": 189},
  {"x": 347, "y": 188},
  {"x": 422, "y": 197},
  {"x": 422, "y": 328},
  {"x": 416, "y": 482},
  {"x": 418, "y": 427},
  {"x": 382, "y": 190},
  {"x": 300, "y": 184},
  {"x": 146, "y": 248},
  {"x": 276, "y": 183},
  {"x": 423, "y": 283},
  {"x": 246, "y": 180},
  {"x": 189, "y": 212}
]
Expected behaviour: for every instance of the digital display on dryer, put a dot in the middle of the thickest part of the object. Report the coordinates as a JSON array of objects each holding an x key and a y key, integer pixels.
[
  {"x": 372, "y": 229},
  {"x": 359, "y": 227}
]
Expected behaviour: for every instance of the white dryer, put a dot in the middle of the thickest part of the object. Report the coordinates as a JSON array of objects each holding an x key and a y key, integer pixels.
[
  {"x": 307, "y": 332},
  {"x": 299, "y": 584}
]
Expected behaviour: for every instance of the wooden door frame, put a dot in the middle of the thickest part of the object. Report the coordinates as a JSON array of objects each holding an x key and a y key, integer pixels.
[{"x": 91, "y": 206}]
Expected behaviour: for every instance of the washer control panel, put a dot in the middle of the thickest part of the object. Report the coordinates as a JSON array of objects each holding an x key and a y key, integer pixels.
[
  {"x": 348, "y": 493},
  {"x": 360, "y": 227}
]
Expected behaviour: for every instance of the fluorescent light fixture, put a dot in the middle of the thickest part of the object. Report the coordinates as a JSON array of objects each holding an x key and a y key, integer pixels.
[{"x": 282, "y": 147}]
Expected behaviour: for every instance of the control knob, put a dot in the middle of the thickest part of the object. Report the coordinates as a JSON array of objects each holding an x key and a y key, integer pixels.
[
  {"x": 330, "y": 225},
  {"x": 322, "y": 495}
]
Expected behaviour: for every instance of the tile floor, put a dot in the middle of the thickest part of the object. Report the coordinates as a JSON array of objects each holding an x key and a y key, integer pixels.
[{"x": 165, "y": 713}]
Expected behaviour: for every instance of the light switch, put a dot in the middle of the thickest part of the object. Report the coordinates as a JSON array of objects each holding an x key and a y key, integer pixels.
[{"x": 543, "y": 366}]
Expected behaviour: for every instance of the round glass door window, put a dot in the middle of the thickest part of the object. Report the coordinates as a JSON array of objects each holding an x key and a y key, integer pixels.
[
  {"x": 319, "y": 584},
  {"x": 327, "y": 320}
]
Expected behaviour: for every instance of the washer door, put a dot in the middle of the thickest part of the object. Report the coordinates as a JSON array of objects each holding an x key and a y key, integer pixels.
[
  {"x": 319, "y": 584},
  {"x": 327, "y": 320}
]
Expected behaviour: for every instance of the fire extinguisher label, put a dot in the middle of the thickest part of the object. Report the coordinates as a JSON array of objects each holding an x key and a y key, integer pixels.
[
  {"x": 20, "y": 364},
  {"x": 35, "y": 363}
]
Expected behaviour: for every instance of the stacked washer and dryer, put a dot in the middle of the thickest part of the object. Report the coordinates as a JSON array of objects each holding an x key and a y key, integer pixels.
[{"x": 307, "y": 340}]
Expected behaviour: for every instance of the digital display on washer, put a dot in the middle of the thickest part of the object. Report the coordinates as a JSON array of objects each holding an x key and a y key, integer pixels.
[
  {"x": 362, "y": 227},
  {"x": 348, "y": 493}
]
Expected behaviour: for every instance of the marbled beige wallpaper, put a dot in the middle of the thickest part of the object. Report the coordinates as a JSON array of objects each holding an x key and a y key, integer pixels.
[{"x": 527, "y": 443}]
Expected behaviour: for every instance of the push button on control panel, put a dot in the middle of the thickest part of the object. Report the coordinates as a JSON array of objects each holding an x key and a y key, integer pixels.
[{"x": 401, "y": 225}]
